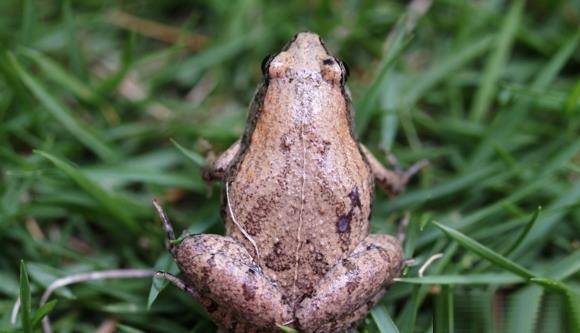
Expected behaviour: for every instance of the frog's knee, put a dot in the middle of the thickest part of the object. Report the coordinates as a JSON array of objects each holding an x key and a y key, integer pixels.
[
  {"x": 387, "y": 242},
  {"x": 197, "y": 251},
  {"x": 222, "y": 269}
]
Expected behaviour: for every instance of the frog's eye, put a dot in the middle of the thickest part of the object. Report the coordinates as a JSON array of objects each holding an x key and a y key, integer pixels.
[{"x": 266, "y": 63}]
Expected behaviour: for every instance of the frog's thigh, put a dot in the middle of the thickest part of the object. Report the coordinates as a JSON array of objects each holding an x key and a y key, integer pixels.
[
  {"x": 223, "y": 270},
  {"x": 350, "y": 320},
  {"x": 340, "y": 298}
]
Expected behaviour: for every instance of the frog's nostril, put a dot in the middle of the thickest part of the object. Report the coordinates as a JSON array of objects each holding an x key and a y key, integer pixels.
[{"x": 328, "y": 61}]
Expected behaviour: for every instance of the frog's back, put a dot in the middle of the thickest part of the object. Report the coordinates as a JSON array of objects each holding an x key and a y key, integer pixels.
[{"x": 300, "y": 188}]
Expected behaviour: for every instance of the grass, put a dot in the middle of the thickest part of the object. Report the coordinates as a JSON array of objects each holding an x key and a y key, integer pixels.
[{"x": 104, "y": 107}]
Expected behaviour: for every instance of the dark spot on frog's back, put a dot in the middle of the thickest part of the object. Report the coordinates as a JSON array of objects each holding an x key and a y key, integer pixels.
[
  {"x": 211, "y": 261},
  {"x": 318, "y": 263},
  {"x": 257, "y": 216},
  {"x": 285, "y": 143},
  {"x": 343, "y": 223},
  {"x": 354, "y": 197},
  {"x": 324, "y": 148},
  {"x": 249, "y": 287},
  {"x": 278, "y": 260},
  {"x": 253, "y": 226}
]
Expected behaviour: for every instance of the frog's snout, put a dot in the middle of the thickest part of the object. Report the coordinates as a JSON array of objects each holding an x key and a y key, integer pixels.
[
  {"x": 306, "y": 57},
  {"x": 307, "y": 39}
]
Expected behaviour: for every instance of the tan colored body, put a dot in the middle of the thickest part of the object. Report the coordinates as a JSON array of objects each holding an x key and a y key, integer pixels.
[
  {"x": 297, "y": 202},
  {"x": 301, "y": 189}
]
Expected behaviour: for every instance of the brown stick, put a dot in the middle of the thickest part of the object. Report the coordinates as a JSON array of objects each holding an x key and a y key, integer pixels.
[{"x": 156, "y": 30}]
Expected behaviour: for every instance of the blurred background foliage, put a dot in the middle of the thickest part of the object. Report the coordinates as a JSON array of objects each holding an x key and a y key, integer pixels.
[{"x": 488, "y": 91}]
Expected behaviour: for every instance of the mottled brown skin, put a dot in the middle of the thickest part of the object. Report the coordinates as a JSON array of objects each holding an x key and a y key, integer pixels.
[{"x": 297, "y": 202}]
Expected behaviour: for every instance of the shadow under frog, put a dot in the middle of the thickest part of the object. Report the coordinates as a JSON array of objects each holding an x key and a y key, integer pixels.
[{"x": 296, "y": 203}]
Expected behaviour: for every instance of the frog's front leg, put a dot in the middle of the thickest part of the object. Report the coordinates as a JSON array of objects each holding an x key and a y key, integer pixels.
[
  {"x": 351, "y": 285},
  {"x": 215, "y": 168},
  {"x": 390, "y": 181}
]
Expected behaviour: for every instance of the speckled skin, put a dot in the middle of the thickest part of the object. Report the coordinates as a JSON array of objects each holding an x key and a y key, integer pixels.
[{"x": 297, "y": 202}]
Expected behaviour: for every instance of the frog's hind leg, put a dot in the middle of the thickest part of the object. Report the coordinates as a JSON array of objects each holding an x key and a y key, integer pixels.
[
  {"x": 225, "y": 271},
  {"x": 222, "y": 276},
  {"x": 347, "y": 292},
  {"x": 226, "y": 319}
]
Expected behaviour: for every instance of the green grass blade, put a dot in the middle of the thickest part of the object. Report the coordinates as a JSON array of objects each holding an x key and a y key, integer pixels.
[
  {"x": 114, "y": 207},
  {"x": 193, "y": 156},
  {"x": 383, "y": 320},
  {"x": 485, "y": 252},
  {"x": 408, "y": 316},
  {"x": 25, "y": 299},
  {"x": 129, "y": 329},
  {"x": 74, "y": 48},
  {"x": 364, "y": 109},
  {"x": 63, "y": 114},
  {"x": 43, "y": 311},
  {"x": 524, "y": 233},
  {"x": 410, "y": 312},
  {"x": 28, "y": 21},
  {"x": 573, "y": 300},
  {"x": 553, "y": 314},
  {"x": 8, "y": 284},
  {"x": 550, "y": 284},
  {"x": 504, "y": 124},
  {"x": 566, "y": 267},
  {"x": 122, "y": 175},
  {"x": 165, "y": 263},
  {"x": 496, "y": 62},
  {"x": 59, "y": 75},
  {"x": 286, "y": 329},
  {"x": 440, "y": 71},
  {"x": 443, "y": 317},
  {"x": 189, "y": 70},
  {"x": 523, "y": 309},
  {"x": 558, "y": 61},
  {"x": 440, "y": 190},
  {"x": 468, "y": 279},
  {"x": 573, "y": 100}
]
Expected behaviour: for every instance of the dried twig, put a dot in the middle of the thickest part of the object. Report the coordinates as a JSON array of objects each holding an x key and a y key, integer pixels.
[
  {"x": 156, "y": 30},
  {"x": 429, "y": 262}
]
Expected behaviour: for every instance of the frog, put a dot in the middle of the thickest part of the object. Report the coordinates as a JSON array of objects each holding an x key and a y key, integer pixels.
[{"x": 297, "y": 202}]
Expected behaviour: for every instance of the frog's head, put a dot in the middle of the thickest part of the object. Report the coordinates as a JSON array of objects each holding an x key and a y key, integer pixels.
[{"x": 305, "y": 56}]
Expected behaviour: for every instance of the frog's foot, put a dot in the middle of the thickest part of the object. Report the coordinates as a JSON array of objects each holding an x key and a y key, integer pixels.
[
  {"x": 348, "y": 291},
  {"x": 393, "y": 182},
  {"x": 223, "y": 271}
]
